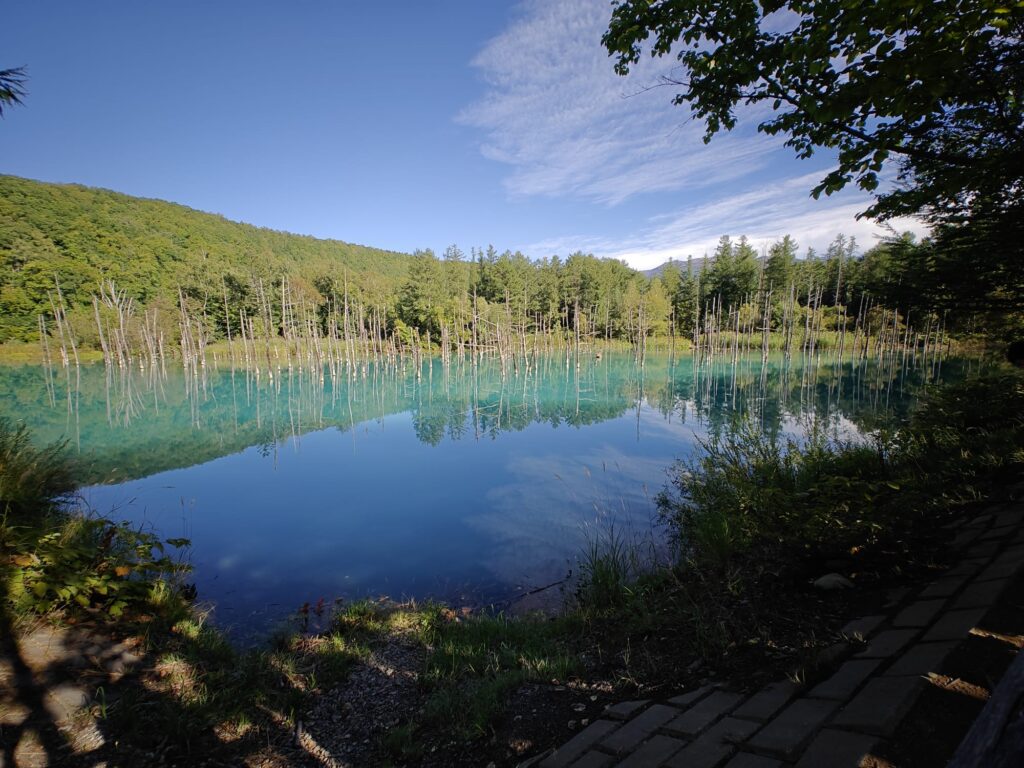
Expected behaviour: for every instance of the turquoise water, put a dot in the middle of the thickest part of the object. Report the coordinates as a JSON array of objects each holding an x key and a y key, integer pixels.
[{"x": 461, "y": 484}]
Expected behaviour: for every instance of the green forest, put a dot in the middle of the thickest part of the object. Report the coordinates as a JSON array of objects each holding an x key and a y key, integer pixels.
[{"x": 68, "y": 244}]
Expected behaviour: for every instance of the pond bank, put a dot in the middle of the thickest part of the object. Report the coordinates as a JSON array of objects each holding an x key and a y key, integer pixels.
[{"x": 363, "y": 694}]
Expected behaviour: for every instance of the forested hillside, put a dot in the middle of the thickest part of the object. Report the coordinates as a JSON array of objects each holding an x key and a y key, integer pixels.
[
  {"x": 81, "y": 235},
  {"x": 145, "y": 272}
]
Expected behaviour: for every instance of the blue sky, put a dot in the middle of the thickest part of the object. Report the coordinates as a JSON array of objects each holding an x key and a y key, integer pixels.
[{"x": 401, "y": 125}]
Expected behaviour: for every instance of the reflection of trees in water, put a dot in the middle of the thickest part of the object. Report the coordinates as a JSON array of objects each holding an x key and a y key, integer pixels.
[
  {"x": 721, "y": 396},
  {"x": 135, "y": 423}
]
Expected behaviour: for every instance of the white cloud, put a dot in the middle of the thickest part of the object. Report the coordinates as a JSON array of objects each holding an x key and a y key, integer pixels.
[
  {"x": 764, "y": 215},
  {"x": 556, "y": 112}
]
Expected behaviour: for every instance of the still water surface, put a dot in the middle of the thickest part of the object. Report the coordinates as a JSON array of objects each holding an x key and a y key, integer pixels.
[{"x": 459, "y": 484}]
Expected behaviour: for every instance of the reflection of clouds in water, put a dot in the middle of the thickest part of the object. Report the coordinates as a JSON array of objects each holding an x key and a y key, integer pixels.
[
  {"x": 653, "y": 423},
  {"x": 537, "y": 522}
]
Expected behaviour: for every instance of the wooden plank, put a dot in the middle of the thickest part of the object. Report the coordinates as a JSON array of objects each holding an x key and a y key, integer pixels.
[{"x": 997, "y": 736}]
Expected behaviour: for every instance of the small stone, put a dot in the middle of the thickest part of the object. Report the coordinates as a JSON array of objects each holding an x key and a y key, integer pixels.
[{"x": 832, "y": 581}]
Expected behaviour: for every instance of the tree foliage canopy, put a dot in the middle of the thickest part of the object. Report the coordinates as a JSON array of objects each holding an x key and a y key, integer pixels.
[
  {"x": 938, "y": 84},
  {"x": 12, "y": 87}
]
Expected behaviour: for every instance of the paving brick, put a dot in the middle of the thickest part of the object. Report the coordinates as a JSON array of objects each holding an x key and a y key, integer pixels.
[
  {"x": 998, "y": 533},
  {"x": 715, "y": 745},
  {"x": 888, "y": 643},
  {"x": 981, "y": 594},
  {"x": 922, "y": 659},
  {"x": 846, "y": 680},
  {"x": 879, "y": 708},
  {"x": 919, "y": 614},
  {"x": 861, "y": 628},
  {"x": 832, "y": 655},
  {"x": 1005, "y": 566},
  {"x": 837, "y": 749},
  {"x": 787, "y": 733},
  {"x": 579, "y": 744},
  {"x": 982, "y": 549},
  {"x": 895, "y": 596},
  {"x": 624, "y": 709},
  {"x": 747, "y": 760},
  {"x": 969, "y": 567},
  {"x": 639, "y": 728},
  {"x": 965, "y": 537},
  {"x": 686, "y": 699},
  {"x": 769, "y": 700},
  {"x": 1013, "y": 515},
  {"x": 955, "y": 625},
  {"x": 943, "y": 587},
  {"x": 593, "y": 759},
  {"x": 653, "y": 752},
  {"x": 704, "y": 713}
]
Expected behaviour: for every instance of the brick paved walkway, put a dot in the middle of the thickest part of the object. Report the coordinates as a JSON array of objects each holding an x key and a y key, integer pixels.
[{"x": 843, "y": 719}]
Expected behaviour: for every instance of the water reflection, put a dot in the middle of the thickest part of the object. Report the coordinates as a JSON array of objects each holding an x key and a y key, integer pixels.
[{"x": 453, "y": 481}]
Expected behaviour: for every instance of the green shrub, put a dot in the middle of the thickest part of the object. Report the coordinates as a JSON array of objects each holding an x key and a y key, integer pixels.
[
  {"x": 31, "y": 478},
  {"x": 609, "y": 566},
  {"x": 90, "y": 563},
  {"x": 750, "y": 492},
  {"x": 54, "y": 558},
  {"x": 970, "y": 432}
]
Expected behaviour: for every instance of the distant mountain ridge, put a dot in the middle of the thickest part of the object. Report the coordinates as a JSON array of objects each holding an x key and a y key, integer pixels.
[{"x": 698, "y": 263}]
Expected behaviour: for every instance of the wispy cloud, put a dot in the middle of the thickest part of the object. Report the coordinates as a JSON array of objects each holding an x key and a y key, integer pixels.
[
  {"x": 764, "y": 215},
  {"x": 566, "y": 124},
  {"x": 568, "y": 127}
]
